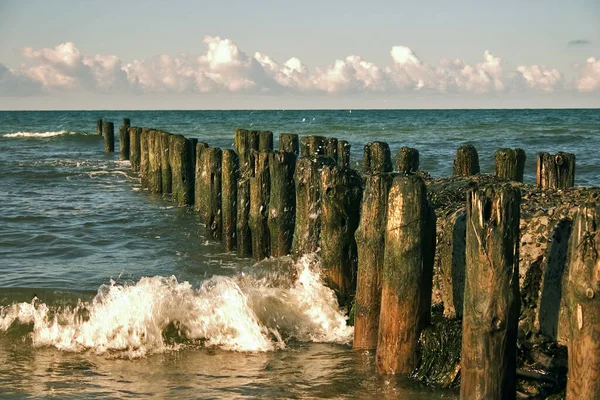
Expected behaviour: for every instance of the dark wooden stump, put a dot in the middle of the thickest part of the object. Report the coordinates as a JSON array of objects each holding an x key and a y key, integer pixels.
[
  {"x": 466, "y": 162},
  {"x": 370, "y": 241},
  {"x": 451, "y": 261},
  {"x": 407, "y": 275},
  {"x": 134, "y": 147},
  {"x": 123, "y": 143},
  {"x": 208, "y": 190},
  {"x": 144, "y": 157},
  {"x": 229, "y": 183},
  {"x": 165, "y": 166},
  {"x": 376, "y": 158},
  {"x": 313, "y": 145},
  {"x": 182, "y": 170},
  {"x": 343, "y": 154},
  {"x": 407, "y": 160},
  {"x": 260, "y": 185},
  {"x": 491, "y": 297},
  {"x": 99, "y": 127},
  {"x": 582, "y": 299},
  {"x": 289, "y": 143},
  {"x": 109, "y": 137},
  {"x": 556, "y": 171},
  {"x": 126, "y": 122},
  {"x": 282, "y": 203},
  {"x": 510, "y": 164}
]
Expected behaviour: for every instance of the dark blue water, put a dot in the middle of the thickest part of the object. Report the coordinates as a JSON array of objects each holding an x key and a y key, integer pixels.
[{"x": 74, "y": 219}]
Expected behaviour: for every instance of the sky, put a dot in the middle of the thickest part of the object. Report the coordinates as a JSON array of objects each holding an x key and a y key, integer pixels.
[{"x": 264, "y": 54}]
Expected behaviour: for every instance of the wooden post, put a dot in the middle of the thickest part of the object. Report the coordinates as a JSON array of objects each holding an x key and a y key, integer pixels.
[
  {"x": 466, "y": 162},
  {"x": 288, "y": 142},
  {"x": 126, "y": 122},
  {"x": 180, "y": 158},
  {"x": 208, "y": 191},
  {"x": 510, "y": 164},
  {"x": 265, "y": 141},
  {"x": 165, "y": 166},
  {"x": 109, "y": 137},
  {"x": 123, "y": 143},
  {"x": 451, "y": 261},
  {"x": 99, "y": 126},
  {"x": 229, "y": 182},
  {"x": 331, "y": 148},
  {"x": 134, "y": 147},
  {"x": 313, "y": 145},
  {"x": 582, "y": 299},
  {"x": 407, "y": 275},
  {"x": 343, "y": 154},
  {"x": 144, "y": 157},
  {"x": 243, "y": 234},
  {"x": 154, "y": 161},
  {"x": 341, "y": 194},
  {"x": 377, "y": 158},
  {"x": 282, "y": 202},
  {"x": 200, "y": 205},
  {"x": 556, "y": 171},
  {"x": 308, "y": 203},
  {"x": 491, "y": 297},
  {"x": 245, "y": 141},
  {"x": 407, "y": 160},
  {"x": 370, "y": 241},
  {"x": 258, "y": 221}
]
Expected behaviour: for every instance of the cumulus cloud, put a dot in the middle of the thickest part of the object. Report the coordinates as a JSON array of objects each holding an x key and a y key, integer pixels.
[{"x": 221, "y": 66}]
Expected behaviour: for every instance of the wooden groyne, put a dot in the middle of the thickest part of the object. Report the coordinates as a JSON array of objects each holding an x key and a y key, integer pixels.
[{"x": 478, "y": 280}]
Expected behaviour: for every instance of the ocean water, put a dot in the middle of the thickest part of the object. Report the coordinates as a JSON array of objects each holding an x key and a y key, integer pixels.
[{"x": 108, "y": 291}]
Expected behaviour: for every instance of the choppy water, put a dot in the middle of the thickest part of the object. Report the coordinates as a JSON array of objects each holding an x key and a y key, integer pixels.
[{"x": 107, "y": 291}]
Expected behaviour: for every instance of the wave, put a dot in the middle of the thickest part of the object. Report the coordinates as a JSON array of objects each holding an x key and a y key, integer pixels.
[
  {"x": 256, "y": 311},
  {"x": 35, "y": 134}
]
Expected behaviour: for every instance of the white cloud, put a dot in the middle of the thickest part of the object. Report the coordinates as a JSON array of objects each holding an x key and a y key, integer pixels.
[
  {"x": 541, "y": 78},
  {"x": 589, "y": 79}
]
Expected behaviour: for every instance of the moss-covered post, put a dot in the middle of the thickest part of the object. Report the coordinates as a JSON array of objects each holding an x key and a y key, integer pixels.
[
  {"x": 99, "y": 126},
  {"x": 370, "y": 241},
  {"x": 265, "y": 141},
  {"x": 289, "y": 143},
  {"x": 229, "y": 183},
  {"x": 582, "y": 298},
  {"x": 491, "y": 298},
  {"x": 244, "y": 142},
  {"x": 258, "y": 221},
  {"x": 144, "y": 157},
  {"x": 109, "y": 137},
  {"x": 407, "y": 160},
  {"x": 165, "y": 166},
  {"x": 123, "y": 143},
  {"x": 377, "y": 158},
  {"x": 510, "y": 164},
  {"x": 154, "y": 160},
  {"x": 407, "y": 275},
  {"x": 331, "y": 148},
  {"x": 134, "y": 147},
  {"x": 466, "y": 162},
  {"x": 343, "y": 154},
  {"x": 208, "y": 190},
  {"x": 282, "y": 202},
  {"x": 451, "y": 248},
  {"x": 182, "y": 170},
  {"x": 308, "y": 203},
  {"x": 313, "y": 145},
  {"x": 200, "y": 205},
  {"x": 243, "y": 234},
  {"x": 556, "y": 171}
]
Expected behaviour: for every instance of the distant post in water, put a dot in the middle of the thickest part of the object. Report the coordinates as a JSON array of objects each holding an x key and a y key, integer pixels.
[
  {"x": 377, "y": 158},
  {"x": 582, "y": 297},
  {"x": 135, "y": 147},
  {"x": 407, "y": 275},
  {"x": 556, "y": 171},
  {"x": 510, "y": 164},
  {"x": 407, "y": 160},
  {"x": 282, "y": 202},
  {"x": 466, "y": 162},
  {"x": 229, "y": 182},
  {"x": 123, "y": 143},
  {"x": 491, "y": 297},
  {"x": 109, "y": 137},
  {"x": 288, "y": 142},
  {"x": 126, "y": 122},
  {"x": 99, "y": 126}
]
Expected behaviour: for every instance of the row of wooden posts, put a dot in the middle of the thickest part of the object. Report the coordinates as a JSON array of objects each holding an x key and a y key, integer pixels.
[{"x": 376, "y": 237}]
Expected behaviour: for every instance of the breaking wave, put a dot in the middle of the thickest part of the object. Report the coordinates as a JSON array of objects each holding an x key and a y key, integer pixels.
[{"x": 35, "y": 134}]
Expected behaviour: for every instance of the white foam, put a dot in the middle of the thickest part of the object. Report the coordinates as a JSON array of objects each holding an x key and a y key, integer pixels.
[
  {"x": 35, "y": 134},
  {"x": 244, "y": 313}
]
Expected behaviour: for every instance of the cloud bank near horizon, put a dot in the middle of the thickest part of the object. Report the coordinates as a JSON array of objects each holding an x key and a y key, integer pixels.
[{"x": 224, "y": 67}]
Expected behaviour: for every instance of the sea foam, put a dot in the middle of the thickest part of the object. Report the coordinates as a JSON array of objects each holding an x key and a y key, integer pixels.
[
  {"x": 253, "y": 312},
  {"x": 35, "y": 134}
]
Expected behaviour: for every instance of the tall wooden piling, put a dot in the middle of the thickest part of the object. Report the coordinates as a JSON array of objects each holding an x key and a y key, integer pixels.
[
  {"x": 451, "y": 248},
  {"x": 265, "y": 141},
  {"x": 134, "y": 147},
  {"x": 308, "y": 203},
  {"x": 165, "y": 165},
  {"x": 282, "y": 202},
  {"x": 208, "y": 191},
  {"x": 109, "y": 137},
  {"x": 582, "y": 299},
  {"x": 556, "y": 171},
  {"x": 258, "y": 221},
  {"x": 99, "y": 126},
  {"x": 244, "y": 142},
  {"x": 243, "y": 234},
  {"x": 123, "y": 143},
  {"x": 144, "y": 157},
  {"x": 341, "y": 194},
  {"x": 491, "y": 297},
  {"x": 407, "y": 160},
  {"x": 182, "y": 170},
  {"x": 313, "y": 145},
  {"x": 154, "y": 162},
  {"x": 289, "y": 143},
  {"x": 370, "y": 241},
  {"x": 510, "y": 164},
  {"x": 377, "y": 158},
  {"x": 343, "y": 154},
  {"x": 466, "y": 161},
  {"x": 229, "y": 182},
  {"x": 407, "y": 275},
  {"x": 199, "y": 204}
]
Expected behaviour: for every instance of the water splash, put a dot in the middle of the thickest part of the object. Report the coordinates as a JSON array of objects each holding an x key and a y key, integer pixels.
[
  {"x": 35, "y": 134},
  {"x": 256, "y": 311}
]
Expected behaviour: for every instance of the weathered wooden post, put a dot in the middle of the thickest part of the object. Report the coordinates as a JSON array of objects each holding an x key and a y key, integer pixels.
[
  {"x": 245, "y": 142},
  {"x": 144, "y": 157},
  {"x": 331, "y": 148},
  {"x": 208, "y": 191},
  {"x": 556, "y": 171},
  {"x": 510, "y": 164},
  {"x": 308, "y": 203},
  {"x": 466, "y": 162},
  {"x": 370, "y": 241},
  {"x": 180, "y": 158},
  {"x": 265, "y": 141},
  {"x": 282, "y": 202},
  {"x": 154, "y": 161},
  {"x": 134, "y": 146},
  {"x": 229, "y": 184},
  {"x": 126, "y": 122},
  {"x": 582, "y": 298},
  {"x": 200, "y": 206},
  {"x": 165, "y": 166},
  {"x": 377, "y": 158},
  {"x": 407, "y": 160},
  {"x": 341, "y": 194},
  {"x": 258, "y": 221},
  {"x": 343, "y": 154},
  {"x": 99, "y": 126},
  {"x": 288, "y": 142},
  {"x": 123, "y": 143},
  {"x": 109, "y": 137},
  {"x": 491, "y": 297},
  {"x": 451, "y": 261},
  {"x": 313, "y": 145}
]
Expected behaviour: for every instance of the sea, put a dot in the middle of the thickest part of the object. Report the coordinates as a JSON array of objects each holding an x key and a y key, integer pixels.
[{"x": 107, "y": 291}]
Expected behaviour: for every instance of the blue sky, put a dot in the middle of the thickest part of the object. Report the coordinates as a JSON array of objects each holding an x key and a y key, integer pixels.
[{"x": 311, "y": 54}]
